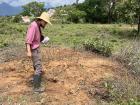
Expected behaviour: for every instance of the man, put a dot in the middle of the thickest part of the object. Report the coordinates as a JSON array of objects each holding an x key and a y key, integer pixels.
[{"x": 33, "y": 39}]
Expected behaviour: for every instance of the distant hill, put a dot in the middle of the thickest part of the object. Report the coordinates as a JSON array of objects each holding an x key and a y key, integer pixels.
[{"x": 8, "y": 10}]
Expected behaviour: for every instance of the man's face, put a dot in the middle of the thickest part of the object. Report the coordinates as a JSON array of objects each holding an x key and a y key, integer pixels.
[{"x": 43, "y": 23}]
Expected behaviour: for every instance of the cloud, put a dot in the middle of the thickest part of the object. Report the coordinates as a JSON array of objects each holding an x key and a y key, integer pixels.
[{"x": 51, "y": 2}]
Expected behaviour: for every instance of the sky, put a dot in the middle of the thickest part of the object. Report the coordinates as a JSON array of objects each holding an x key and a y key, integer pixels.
[{"x": 51, "y": 2}]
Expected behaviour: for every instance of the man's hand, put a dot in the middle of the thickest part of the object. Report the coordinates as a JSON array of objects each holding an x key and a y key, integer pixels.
[{"x": 29, "y": 54}]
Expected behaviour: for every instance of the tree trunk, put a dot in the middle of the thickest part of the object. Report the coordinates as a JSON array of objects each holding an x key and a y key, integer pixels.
[
  {"x": 109, "y": 15},
  {"x": 111, "y": 8},
  {"x": 138, "y": 24}
]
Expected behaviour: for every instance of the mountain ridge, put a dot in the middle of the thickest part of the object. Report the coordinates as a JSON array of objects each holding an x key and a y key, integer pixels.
[{"x": 8, "y": 10}]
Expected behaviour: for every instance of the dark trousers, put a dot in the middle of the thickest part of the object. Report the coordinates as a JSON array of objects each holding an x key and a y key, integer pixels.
[{"x": 36, "y": 59}]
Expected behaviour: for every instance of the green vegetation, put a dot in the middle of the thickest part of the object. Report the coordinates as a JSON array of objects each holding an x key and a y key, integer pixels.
[
  {"x": 91, "y": 11},
  {"x": 121, "y": 93},
  {"x": 98, "y": 11},
  {"x": 107, "y": 39},
  {"x": 99, "y": 46},
  {"x": 12, "y": 34},
  {"x": 33, "y": 9},
  {"x": 117, "y": 39},
  {"x": 71, "y": 35}
]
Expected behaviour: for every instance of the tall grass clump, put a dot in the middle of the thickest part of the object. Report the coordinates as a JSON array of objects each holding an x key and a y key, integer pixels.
[
  {"x": 122, "y": 91},
  {"x": 130, "y": 56},
  {"x": 127, "y": 89}
]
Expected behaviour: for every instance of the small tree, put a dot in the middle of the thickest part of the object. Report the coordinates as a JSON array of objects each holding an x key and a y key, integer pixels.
[
  {"x": 129, "y": 11},
  {"x": 96, "y": 10},
  {"x": 17, "y": 18},
  {"x": 111, "y": 9},
  {"x": 33, "y": 9},
  {"x": 76, "y": 15}
]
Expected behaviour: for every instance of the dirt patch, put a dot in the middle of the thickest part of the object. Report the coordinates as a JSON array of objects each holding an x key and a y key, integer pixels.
[
  {"x": 70, "y": 78},
  {"x": 10, "y": 53}
]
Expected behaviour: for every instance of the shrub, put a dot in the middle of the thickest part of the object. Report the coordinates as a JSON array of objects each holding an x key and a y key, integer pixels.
[
  {"x": 2, "y": 44},
  {"x": 133, "y": 102},
  {"x": 130, "y": 55},
  {"x": 76, "y": 16},
  {"x": 17, "y": 18},
  {"x": 98, "y": 46},
  {"x": 122, "y": 91}
]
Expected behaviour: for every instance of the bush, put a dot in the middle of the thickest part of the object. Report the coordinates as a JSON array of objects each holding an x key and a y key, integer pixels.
[
  {"x": 133, "y": 102},
  {"x": 17, "y": 18},
  {"x": 98, "y": 46},
  {"x": 3, "y": 44},
  {"x": 76, "y": 16},
  {"x": 121, "y": 92},
  {"x": 130, "y": 55}
]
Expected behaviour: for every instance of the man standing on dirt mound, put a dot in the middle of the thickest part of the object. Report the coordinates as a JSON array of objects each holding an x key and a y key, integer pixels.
[{"x": 33, "y": 39}]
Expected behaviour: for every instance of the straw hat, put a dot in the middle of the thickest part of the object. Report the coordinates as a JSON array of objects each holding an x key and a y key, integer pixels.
[{"x": 45, "y": 16}]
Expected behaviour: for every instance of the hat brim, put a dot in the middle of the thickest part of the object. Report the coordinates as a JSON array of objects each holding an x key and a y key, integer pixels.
[{"x": 46, "y": 20}]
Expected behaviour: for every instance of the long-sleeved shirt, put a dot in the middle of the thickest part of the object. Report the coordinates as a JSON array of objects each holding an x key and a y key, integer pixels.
[{"x": 33, "y": 35}]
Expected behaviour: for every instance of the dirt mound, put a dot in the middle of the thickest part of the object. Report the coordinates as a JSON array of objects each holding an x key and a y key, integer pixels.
[{"x": 70, "y": 78}]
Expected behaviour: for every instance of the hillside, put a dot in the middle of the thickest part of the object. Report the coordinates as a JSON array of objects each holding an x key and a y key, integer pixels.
[{"x": 7, "y": 10}]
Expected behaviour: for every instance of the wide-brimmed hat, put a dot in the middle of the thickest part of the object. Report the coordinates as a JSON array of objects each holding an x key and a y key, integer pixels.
[{"x": 45, "y": 16}]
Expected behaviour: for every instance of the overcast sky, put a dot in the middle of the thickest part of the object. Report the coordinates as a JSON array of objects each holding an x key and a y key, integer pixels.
[{"x": 51, "y": 2}]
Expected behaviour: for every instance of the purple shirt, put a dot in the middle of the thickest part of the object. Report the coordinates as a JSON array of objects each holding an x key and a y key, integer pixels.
[{"x": 33, "y": 35}]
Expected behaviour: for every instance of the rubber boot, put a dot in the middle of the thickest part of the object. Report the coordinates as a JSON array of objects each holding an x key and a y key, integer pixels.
[{"x": 37, "y": 84}]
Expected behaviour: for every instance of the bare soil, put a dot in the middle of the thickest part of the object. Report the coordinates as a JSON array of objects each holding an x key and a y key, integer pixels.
[{"x": 70, "y": 78}]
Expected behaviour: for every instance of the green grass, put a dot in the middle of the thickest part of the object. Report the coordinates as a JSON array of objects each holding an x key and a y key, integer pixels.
[
  {"x": 73, "y": 36},
  {"x": 77, "y": 34},
  {"x": 69, "y": 35}
]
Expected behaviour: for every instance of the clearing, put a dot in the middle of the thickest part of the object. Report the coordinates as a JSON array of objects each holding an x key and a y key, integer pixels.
[{"x": 70, "y": 78}]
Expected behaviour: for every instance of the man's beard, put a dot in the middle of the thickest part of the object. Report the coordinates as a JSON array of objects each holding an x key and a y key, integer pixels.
[{"x": 42, "y": 26}]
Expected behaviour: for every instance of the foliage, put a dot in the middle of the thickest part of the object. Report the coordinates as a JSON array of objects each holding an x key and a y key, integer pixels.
[
  {"x": 62, "y": 14},
  {"x": 17, "y": 18},
  {"x": 103, "y": 11},
  {"x": 2, "y": 44},
  {"x": 33, "y": 9},
  {"x": 131, "y": 56},
  {"x": 70, "y": 14},
  {"x": 127, "y": 11},
  {"x": 121, "y": 92},
  {"x": 69, "y": 34},
  {"x": 76, "y": 16},
  {"x": 95, "y": 9},
  {"x": 133, "y": 102},
  {"x": 98, "y": 46}
]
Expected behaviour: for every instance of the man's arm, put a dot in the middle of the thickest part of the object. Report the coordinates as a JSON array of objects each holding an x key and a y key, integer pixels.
[
  {"x": 29, "y": 54},
  {"x": 29, "y": 39}
]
